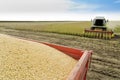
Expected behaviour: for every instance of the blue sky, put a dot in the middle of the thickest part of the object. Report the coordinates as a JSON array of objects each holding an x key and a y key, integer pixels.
[
  {"x": 100, "y": 5},
  {"x": 59, "y": 9}
]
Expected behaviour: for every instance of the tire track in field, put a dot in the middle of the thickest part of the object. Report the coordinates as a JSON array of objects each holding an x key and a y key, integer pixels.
[
  {"x": 113, "y": 65},
  {"x": 106, "y": 66},
  {"x": 105, "y": 70},
  {"x": 108, "y": 69}
]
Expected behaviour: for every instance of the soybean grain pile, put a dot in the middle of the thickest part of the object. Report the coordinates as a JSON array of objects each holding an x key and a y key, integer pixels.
[{"x": 26, "y": 60}]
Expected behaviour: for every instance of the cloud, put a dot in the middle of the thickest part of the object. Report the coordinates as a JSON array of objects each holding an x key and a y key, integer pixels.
[
  {"x": 117, "y": 1},
  {"x": 43, "y": 6},
  {"x": 34, "y": 5},
  {"x": 51, "y": 10},
  {"x": 59, "y": 16}
]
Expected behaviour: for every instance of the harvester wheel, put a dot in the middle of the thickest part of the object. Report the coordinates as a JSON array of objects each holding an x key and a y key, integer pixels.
[
  {"x": 92, "y": 28},
  {"x": 104, "y": 29}
]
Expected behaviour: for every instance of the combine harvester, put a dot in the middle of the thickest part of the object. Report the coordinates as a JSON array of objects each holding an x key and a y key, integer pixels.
[{"x": 99, "y": 29}]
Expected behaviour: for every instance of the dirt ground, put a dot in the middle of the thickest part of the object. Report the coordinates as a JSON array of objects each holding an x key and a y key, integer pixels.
[{"x": 106, "y": 57}]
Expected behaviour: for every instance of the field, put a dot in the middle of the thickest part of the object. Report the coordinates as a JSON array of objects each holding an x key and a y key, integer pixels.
[
  {"x": 54, "y": 27},
  {"x": 106, "y": 57}
]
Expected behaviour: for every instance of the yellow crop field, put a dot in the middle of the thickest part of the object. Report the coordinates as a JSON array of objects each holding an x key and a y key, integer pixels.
[
  {"x": 56, "y": 27},
  {"x": 72, "y": 28},
  {"x": 117, "y": 29}
]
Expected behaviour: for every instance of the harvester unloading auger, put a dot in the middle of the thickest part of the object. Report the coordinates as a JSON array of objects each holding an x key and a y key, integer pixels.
[{"x": 99, "y": 29}]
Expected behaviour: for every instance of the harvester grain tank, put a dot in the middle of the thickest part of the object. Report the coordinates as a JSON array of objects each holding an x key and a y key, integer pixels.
[{"x": 99, "y": 29}]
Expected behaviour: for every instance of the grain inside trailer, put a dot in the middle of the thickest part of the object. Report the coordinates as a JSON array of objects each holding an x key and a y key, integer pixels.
[{"x": 23, "y": 60}]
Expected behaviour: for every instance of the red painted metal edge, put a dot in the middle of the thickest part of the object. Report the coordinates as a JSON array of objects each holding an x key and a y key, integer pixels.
[
  {"x": 75, "y": 53},
  {"x": 80, "y": 70}
]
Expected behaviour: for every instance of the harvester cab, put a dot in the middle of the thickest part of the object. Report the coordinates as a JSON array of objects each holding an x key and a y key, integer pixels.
[
  {"x": 99, "y": 23},
  {"x": 99, "y": 29}
]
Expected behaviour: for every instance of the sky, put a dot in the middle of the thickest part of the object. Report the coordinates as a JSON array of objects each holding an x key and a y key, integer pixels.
[{"x": 55, "y": 10}]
